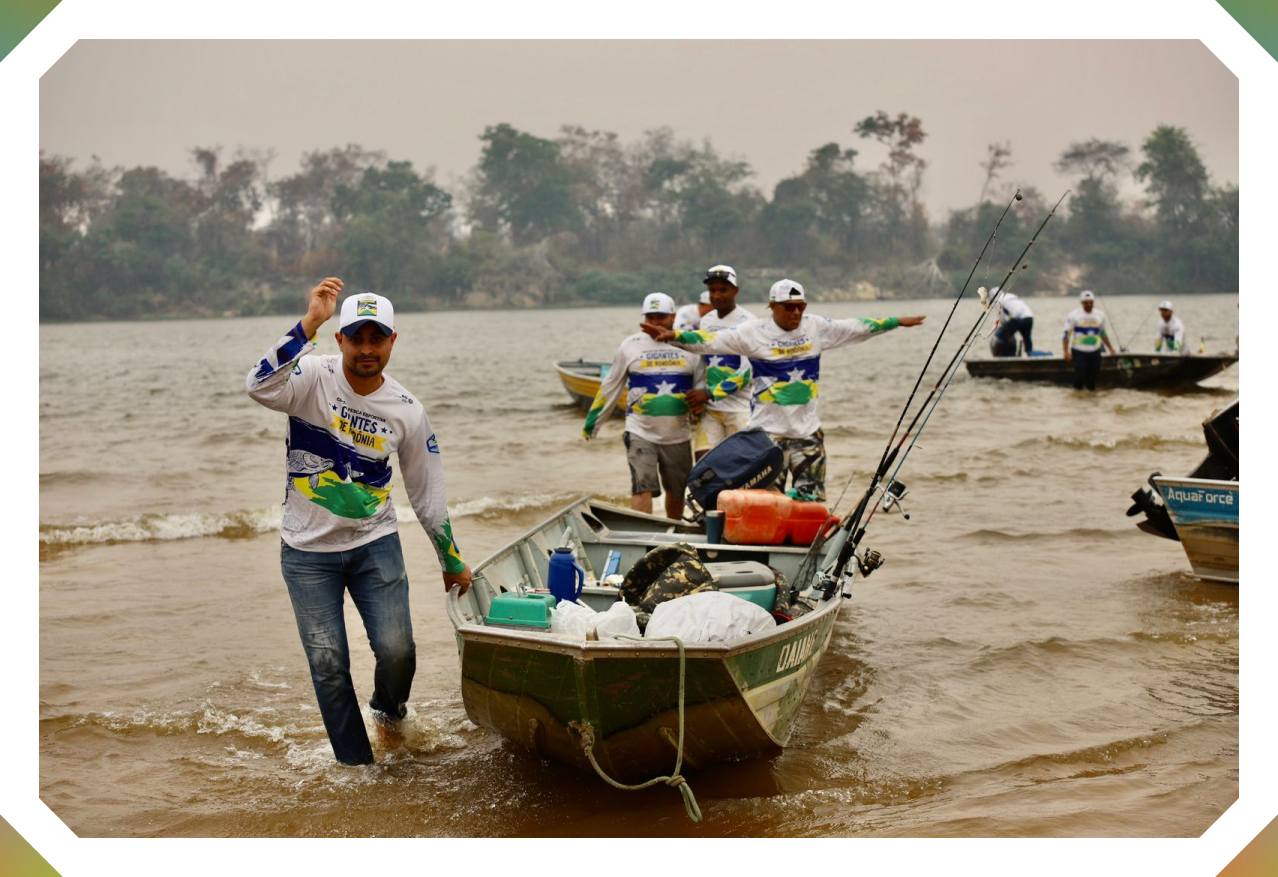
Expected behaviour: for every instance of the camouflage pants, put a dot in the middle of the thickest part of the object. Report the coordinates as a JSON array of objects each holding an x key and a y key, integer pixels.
[{"x": 805, "y": 462}]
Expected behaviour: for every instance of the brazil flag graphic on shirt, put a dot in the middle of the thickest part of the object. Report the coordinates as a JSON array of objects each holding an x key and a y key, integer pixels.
[
  {"x": 333, "y": 475},
  {"x": 790, "y": 382},
  {"x": 658, "y": 394}
]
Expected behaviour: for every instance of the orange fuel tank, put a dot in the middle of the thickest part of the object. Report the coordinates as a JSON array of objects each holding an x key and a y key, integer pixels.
[{"x": 754, "y": 517}]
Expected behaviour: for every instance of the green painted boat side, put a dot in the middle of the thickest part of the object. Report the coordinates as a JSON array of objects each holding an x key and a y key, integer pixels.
[{"x": 541, "y": 690}]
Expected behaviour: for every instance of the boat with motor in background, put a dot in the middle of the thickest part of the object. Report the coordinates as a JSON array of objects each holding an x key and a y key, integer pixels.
[{"x": 1138, "y": 371}]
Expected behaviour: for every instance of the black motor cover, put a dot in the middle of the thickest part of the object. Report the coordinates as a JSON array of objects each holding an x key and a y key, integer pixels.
[{"x": 744, "y": 459}]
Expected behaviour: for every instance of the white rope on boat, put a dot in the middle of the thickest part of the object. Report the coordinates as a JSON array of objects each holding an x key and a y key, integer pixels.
[{"x": 675, "y": 779}]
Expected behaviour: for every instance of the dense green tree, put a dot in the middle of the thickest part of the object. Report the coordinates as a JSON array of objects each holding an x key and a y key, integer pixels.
[
  {"x": 903, "y": 221},
  {"x": 523, "y": 187},
  {"x": 392, "y": 223}
]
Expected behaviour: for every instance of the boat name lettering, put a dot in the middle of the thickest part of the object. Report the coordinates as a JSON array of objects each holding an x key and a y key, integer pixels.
[
  {"x": 1183, "y": 495},
  {"x": 796, "y": 652}
]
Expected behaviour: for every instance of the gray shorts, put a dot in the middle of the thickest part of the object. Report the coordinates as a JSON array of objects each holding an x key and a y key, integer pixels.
[{"x": 654, "y": 466}]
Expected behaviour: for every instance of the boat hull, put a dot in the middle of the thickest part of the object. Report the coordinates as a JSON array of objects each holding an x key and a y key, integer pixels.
[
  {"x": 580, "y": 379},
  {"x": 1144, "y": 371},
  {"x": 550, "y": 692},
  {"x": 1204, "y": 512},
  {"x": 739, "y": 702}
]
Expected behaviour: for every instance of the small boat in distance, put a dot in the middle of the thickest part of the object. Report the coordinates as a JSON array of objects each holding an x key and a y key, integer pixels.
[
  {"x": 1137, "y": 371},
  {"x": 557, "y": 695},
  {"x": 1200, "y": 510},
  {"x": 581, "y": 379}
]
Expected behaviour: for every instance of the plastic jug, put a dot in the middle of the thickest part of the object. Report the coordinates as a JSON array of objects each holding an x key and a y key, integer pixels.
[
  {"x": 566, "y": 578},
  {"x": 754, "y": 517},
  {"x": 807, "y": 521}
]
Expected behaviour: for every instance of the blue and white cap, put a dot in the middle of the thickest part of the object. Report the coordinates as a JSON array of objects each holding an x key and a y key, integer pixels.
[
  {"x": 367, "y": 307},
  {"x": 787, "y": 290},
  {"x": 1086, "y": 295},
  {"x": 658, "y": 303},
  {"x": 1164, "y": 305}
]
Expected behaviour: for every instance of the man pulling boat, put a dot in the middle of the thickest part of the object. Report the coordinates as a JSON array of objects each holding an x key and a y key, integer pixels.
[
  {"x": 784, "y": 354},
  {"x": 663, "y": 384}
]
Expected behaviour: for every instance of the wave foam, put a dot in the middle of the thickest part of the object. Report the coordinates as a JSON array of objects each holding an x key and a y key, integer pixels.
[{"x": 247, "y": 523}]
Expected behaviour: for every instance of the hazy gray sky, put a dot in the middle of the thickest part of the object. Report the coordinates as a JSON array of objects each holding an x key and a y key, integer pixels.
[{"x": 148, "y": 102}]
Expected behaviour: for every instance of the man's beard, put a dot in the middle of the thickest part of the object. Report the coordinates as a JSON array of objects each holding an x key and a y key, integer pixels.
[{"x": 366, "y": 369}]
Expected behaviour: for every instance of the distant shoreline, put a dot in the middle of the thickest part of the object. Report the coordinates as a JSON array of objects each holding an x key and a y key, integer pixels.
[{"x": 558, "y": 306}]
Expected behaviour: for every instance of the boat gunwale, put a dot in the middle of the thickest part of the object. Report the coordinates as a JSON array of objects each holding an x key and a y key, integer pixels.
[
  {"x": 1195, "y": 482},
  {"x": 594, "y": 649}
]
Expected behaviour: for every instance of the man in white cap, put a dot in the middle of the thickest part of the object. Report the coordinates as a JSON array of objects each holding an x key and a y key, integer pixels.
[
  {"x": 1081, "y": 343},
  {"x": 689, "y": 316},
  {"x": 1171, "y": 331},
  {"x": 784, "y": 353},
  {"x": 662, "y": 385},
  {"x": 340, "y": 532},
  {"x": 727, "y": 374},
  {"x": 1015, "y": 317}
]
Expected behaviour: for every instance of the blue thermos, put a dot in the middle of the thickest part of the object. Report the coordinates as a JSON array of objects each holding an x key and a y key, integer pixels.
[{"x": 567, "y": 578}]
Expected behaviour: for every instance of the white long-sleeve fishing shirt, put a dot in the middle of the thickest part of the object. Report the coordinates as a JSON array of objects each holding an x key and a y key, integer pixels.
[
  {"x": 337, "y": 490},
  {"x": 785, "y": 365}
]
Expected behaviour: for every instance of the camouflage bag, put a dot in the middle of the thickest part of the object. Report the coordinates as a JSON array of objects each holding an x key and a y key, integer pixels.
[{"x": 662, "y": 574}]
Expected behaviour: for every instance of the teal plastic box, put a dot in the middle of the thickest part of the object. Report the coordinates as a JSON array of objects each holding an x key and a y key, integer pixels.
[
  {"x": 763, "y": 596},
  {"x": 530, "y": 611}
]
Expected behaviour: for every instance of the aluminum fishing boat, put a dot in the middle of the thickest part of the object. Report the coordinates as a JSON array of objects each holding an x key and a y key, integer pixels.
[
  {"x": 1140, "y": 371},
  {"x": 557, "y": 696}
]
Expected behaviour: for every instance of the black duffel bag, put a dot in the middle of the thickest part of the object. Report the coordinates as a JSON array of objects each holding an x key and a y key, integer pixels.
[{"x": 744, "y": 459}]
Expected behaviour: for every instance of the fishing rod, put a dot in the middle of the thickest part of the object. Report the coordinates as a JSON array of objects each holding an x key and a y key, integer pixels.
[
  {"x": 883, "y": 461},
  {"x": 894, "y": 497},
  {"x": 988, "y": 241},
  {"x": 1122, "y": 348},
  {"x": 853, "y": 526}
]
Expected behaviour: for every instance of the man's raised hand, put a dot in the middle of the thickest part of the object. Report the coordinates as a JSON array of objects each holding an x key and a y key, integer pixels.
[{"x": 320, "y": 304}]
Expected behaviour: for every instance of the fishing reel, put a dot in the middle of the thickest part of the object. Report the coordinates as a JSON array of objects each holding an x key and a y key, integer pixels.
[
  {"x": 868, "y": 561},
  {"x": 892, "y": 496}
]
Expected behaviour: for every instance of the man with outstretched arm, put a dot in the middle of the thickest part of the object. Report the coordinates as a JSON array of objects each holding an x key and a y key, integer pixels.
[
  {"x": 662, "y": 385},
  {"x": 784, "y": 352},
  {"x": 339, "y": 532}
]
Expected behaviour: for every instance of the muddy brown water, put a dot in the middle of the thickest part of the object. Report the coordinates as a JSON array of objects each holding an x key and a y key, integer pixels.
[{"x": 1026, "y": 662}]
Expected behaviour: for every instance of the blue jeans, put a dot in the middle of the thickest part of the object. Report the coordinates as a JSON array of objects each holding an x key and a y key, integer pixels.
[{"x": 374, "y": 574}]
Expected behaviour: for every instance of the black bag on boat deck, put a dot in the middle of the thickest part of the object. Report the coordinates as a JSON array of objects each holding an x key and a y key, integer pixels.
[{"x": 744, "y": 459}]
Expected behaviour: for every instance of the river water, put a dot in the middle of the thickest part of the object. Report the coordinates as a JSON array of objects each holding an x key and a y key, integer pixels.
[{"x": 1025, "y": 663}]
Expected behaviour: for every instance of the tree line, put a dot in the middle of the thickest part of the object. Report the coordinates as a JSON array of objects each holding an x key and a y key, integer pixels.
[{"x": 586, "y": 217}]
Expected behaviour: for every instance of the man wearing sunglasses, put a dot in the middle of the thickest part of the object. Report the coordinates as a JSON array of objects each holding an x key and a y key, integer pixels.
[{"x": 784, "y": 354}]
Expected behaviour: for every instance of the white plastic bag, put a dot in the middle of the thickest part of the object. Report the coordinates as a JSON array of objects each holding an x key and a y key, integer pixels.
[
  {"x": 578, "y": 620},
  {"x": 708, "y": 617},
  {"x": 619, "y": 619},
  {"x": 572, "y": 619}
]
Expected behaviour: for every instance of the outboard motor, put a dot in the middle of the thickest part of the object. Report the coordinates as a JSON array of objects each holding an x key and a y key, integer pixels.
[{"x": 1157, "y": 521}]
